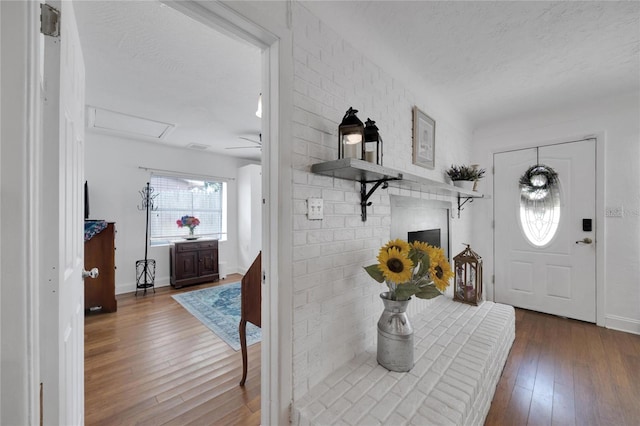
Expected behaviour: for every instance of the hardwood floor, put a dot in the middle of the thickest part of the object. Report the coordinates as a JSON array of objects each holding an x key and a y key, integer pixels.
[
  {"x": 153, "y": 363},
  {"x": 568, "y": 372}
]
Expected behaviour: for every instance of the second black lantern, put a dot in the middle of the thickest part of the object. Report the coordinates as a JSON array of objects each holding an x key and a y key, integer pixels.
[
  {"x": 372, "y": 143},
  {"x": 351, "y": 136}
]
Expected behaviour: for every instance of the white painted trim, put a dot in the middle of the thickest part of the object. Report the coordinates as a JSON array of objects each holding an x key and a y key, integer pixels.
[
  {"x": 34, "y": 173},
  {"x": 23, "y": 163},
  {"x": 601, "y": 265},
  {"x": 600, "y": 208},
  {"x": 628, "y": 325},
  {"x": 226, "y": 20}
]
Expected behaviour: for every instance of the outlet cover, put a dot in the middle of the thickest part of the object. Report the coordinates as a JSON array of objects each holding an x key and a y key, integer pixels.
[{"x": 315, "y": 208}]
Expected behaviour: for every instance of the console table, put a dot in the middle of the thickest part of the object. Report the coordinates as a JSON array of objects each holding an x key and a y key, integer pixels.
[{"x": 193, "y": 262}]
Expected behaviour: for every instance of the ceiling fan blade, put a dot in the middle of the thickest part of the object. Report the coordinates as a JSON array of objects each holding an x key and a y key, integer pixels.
[{"x": 250, "y": 140}]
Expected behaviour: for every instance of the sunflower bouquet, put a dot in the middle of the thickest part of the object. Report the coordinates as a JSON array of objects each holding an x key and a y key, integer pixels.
[{"x": 411, "y": 269}]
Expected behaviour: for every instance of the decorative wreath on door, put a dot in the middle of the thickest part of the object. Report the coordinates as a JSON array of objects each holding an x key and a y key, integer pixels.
[{"x": 538, "y": 179}]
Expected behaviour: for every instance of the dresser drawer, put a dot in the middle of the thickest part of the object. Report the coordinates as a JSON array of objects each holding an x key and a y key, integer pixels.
[{"x": 196, "y": 245}]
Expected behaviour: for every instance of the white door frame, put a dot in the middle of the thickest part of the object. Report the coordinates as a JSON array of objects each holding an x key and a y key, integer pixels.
[
  {"x": 21, "y": 270},
  {"x": 600, "y": 208}
]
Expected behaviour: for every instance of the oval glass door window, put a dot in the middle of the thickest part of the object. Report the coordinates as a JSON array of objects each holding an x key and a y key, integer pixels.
[{"x": 540, "y": 211}]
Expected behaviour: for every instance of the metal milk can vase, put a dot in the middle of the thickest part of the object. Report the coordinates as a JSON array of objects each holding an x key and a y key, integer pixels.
[{"x": 395, "y": 335}]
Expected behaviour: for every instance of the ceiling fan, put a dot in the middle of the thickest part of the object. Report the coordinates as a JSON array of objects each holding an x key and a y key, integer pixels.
[{"x": 258, "y": 143}]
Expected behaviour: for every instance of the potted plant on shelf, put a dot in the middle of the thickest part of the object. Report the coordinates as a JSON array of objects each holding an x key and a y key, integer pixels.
[{"x": 465, "y": 177}]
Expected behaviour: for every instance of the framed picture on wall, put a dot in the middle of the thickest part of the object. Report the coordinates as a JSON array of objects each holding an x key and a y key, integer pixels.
[{"x": 424, "y": 139}]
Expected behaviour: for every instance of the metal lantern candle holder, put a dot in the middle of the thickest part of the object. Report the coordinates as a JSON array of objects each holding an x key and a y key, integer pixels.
[
  {"x": 351, "y": 136},
  {"x": 372, "y": 143},
  {"x": 468, "y": 277}
]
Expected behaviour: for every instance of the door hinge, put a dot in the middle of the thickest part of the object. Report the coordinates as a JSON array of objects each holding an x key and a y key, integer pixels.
[
  {"x": 49, "y": 21},
  {"x": 493, "y": 279},
  {"x": 41, "y": 403}
]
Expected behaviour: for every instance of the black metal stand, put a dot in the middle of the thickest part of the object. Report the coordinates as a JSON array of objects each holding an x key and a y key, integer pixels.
[{"x": 146, "y": 268}]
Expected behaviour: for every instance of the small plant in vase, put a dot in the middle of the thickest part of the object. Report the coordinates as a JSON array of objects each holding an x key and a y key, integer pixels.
[{"x": 464, "y": 176}]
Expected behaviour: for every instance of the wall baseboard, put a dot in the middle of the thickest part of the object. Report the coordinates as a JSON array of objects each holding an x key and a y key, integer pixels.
[
  {"x": 628, "y": 325},
  {"x": 130, "y": 287}
]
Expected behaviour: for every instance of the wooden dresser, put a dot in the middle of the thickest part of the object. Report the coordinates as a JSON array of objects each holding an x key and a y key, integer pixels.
[
  {"x": 193, "y": 262},
  {"x": 99, "y": 252}
]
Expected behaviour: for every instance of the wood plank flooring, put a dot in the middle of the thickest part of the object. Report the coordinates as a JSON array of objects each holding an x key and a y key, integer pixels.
[
  {"x": 567, "y": 372},
  {"x": 153, "y": 363}
]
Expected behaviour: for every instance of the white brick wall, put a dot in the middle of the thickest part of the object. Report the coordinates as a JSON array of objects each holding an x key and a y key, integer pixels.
[{"x": 336, "y": 305}]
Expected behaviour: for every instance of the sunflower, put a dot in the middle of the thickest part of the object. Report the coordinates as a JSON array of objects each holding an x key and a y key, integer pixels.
[
  {"x": 422, "y": 246},
  {"x": 399, "y": 244},
  {"x": 395, "y": 265},
  {"x": 439, "y": 270}
]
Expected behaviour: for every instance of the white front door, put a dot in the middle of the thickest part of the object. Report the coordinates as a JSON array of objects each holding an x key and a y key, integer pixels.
[
  {"x": 545, "y": 258},
  {"x": 62, "y": 242}
]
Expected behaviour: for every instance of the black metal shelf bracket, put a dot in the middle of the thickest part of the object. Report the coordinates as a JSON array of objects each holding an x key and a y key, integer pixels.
[
  {"x": 364, "y": 195},
  {"x": 466, "y": 200}
]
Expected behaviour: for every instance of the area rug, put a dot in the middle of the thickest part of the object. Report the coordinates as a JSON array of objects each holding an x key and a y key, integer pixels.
[{"x": 219, "y": 309}]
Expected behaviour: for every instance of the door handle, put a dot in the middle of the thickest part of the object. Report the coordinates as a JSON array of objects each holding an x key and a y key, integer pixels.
[
  {"x": 93, "y": 273},
  {"x": 585, "y": 240}
]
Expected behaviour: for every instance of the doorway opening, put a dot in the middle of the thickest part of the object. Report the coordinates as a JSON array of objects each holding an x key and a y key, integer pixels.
[{"x": 246, "y": 139}]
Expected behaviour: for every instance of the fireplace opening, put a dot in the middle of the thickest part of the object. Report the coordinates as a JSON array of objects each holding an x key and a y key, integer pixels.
[
  {"x": 421, "y": 220},
  {"x": 429, "y": 236}
]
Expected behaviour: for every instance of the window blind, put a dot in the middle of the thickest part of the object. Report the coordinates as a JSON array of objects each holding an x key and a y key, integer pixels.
[{"x": 180, "y": 196}]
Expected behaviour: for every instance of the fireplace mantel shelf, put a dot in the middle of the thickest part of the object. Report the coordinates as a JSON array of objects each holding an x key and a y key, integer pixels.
[{"x": 365, "y": 172}]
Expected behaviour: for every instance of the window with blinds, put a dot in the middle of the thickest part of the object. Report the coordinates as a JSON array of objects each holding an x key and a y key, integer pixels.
[{"x": 179, "y": 196}]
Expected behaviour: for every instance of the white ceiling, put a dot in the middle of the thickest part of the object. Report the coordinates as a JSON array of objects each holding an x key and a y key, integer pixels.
[
  {"x": 491, "y": 60},
  {"x": 150, "y": 61}
]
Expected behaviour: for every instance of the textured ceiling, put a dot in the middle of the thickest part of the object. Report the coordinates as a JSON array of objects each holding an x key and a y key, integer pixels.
[
  {"x": 492, "y": 60},
  {"x": 148, "y": 60}
]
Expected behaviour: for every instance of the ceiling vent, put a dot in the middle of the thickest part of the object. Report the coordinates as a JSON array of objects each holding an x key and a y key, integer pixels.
[
  {"x": 197, "y": 146},
  {"x": 124, "y": 124}
]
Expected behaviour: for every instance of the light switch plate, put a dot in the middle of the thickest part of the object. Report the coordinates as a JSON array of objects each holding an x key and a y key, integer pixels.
[{"x": 315, "y": 208}]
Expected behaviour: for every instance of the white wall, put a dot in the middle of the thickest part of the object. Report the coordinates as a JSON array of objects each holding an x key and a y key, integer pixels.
[
  {"x": 115, "y": 179},
  {"x": 336, "y": 305},
  {"x": 618, "y": 120},
  {"x": 249, "y": 215}
]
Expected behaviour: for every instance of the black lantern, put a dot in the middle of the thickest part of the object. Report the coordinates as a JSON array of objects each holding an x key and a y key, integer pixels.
[
  {"x": 468, "y": 277},
  {"x": 351, "y": 136},
  {"x": 372, "y": 143}
]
